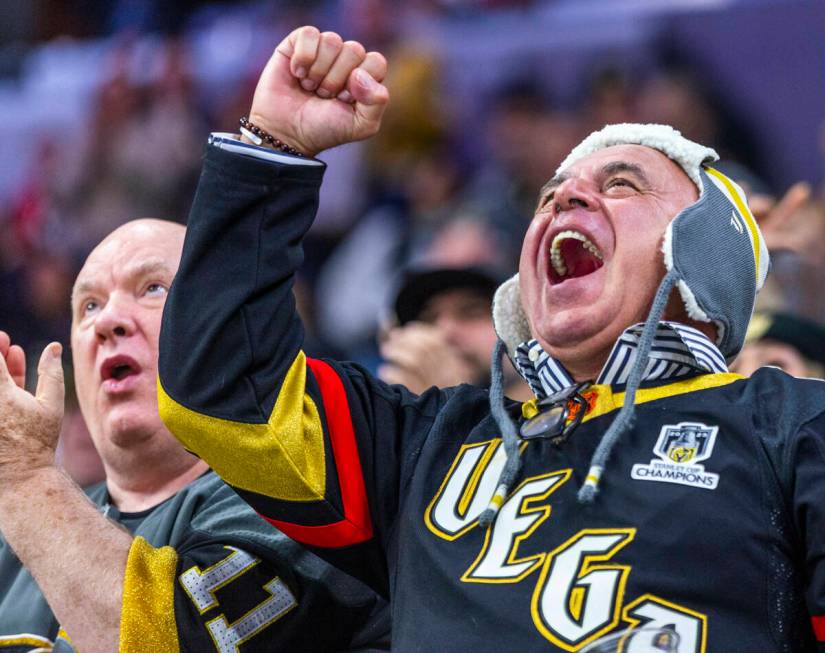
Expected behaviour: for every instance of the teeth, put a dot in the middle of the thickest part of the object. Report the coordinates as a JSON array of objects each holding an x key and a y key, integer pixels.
[{"x": 556, "y": 258}]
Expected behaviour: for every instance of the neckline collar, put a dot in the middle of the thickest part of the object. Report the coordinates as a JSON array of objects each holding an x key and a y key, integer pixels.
[{"x": 678, "y": 351}]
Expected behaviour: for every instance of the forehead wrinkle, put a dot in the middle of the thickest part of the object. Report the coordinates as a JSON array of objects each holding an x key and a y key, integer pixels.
[
  {"x": 150, "y": 266},
  {"x": 143, "y": 268}
]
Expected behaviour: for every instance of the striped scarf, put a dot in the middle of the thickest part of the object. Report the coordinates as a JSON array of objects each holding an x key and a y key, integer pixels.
[{"x": 677, "y": 351}]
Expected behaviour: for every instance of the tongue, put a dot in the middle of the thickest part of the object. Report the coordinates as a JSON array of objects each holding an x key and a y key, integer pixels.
[
  {"x": 121, "y": 372},
  {"x": 577, "y": 259}
]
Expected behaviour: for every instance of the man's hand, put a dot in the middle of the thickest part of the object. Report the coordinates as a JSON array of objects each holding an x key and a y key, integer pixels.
[
  {"x": 80, "y": 565},
  {"x": 30, "y": 424},
  {"x": 418, "y": 357},
  {"x": 318, "y": 91},
  {"x": 793, "y": 223}
]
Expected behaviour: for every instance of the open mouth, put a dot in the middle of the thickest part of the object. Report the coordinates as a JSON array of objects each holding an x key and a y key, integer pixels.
[
  {"x": 119, "y": 367},
  {"x": 572, "y": 255}
]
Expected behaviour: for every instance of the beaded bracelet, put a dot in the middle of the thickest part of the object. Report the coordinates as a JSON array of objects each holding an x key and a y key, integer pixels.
[{"x": 259, "y": 136}]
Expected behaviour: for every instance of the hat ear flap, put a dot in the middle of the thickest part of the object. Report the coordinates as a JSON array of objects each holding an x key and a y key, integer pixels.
[
  {"x": 719, "y": 256},
  {"x": 734, "y": 193},
  {"x": 509, "y": 318}
]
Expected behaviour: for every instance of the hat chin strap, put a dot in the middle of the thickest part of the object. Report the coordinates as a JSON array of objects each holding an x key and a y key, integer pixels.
[
  {"x": 624, "y": 420},
  {"x": 509, "y": 326}
]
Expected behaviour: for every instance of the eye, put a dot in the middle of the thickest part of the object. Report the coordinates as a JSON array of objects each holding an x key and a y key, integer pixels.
[
  {"x": 546, "y": 199},
  {"x": 156, "y": 290},
  {"x": 87, "y": 307},
  {"x": 618, "y": 182}
]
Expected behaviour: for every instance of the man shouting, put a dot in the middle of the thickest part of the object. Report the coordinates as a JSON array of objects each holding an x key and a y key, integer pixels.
[{"x": 644, "y": 485}]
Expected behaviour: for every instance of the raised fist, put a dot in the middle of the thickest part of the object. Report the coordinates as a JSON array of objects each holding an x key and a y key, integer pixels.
[{"x": 318, "y": 91}]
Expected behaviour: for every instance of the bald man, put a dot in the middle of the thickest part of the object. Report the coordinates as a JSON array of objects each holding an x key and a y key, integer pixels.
[{"x": 162, "y": 556}]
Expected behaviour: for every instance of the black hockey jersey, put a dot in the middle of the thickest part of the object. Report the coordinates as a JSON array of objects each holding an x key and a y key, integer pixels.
[
  {"x": 711, "y": 515},
  {"x": 203, "y": 575}
]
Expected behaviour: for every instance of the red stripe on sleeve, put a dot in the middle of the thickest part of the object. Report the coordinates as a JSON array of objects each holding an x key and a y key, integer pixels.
[
  {"x": 819, "y": 627},
  {"x": 356, "y": 526}
]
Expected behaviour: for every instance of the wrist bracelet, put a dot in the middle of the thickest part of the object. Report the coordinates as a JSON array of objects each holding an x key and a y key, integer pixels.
[{"x": 258, "y": 136}]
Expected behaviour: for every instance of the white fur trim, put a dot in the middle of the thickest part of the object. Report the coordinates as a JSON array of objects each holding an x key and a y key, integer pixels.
[
  {"x": 509, "y": 318},
  {"x": 721, "y": 331},
  {"x": 691, "y": 305},
  {"x": 667, "y": 246},
  {"x": 670, "y": 142},
  {"x": 688, "y": 298}
]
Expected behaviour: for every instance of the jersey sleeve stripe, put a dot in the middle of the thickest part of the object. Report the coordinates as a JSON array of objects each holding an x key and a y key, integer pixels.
[
  {"x": 356, "y": 526},
  {"x": 25, "y": 639},
  {"x": 819, "y": 627},
  {"x": 283, "y": 458},
  {"x": 147, "y": 619}
]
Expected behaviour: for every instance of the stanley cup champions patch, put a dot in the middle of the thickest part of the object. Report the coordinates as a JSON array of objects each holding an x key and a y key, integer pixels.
[{"x": 680, "y": 448}]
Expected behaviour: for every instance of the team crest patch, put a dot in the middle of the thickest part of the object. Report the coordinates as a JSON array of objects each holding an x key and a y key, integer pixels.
[{"x": 680, "y": 448}]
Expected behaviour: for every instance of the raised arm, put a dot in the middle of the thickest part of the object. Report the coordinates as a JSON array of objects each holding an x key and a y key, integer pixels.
[
  {"x": 313, "y": 446},
  {"x": 74, "y": 553}
]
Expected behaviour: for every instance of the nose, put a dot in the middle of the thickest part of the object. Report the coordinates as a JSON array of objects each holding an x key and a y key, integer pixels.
[
  {"x": 114, "y": 320},
  {"x": 574, "y": 192}
]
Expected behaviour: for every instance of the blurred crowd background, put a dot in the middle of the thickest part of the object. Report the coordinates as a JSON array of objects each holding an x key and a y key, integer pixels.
[{"x": 105, "y": 106}]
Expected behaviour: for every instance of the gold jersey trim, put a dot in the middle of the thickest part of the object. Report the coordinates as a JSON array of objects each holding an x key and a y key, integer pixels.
[
  {"x": 147, "y": 618},
  {"x": 283, "y": 458},
  {"x": 604, "y": 400}
]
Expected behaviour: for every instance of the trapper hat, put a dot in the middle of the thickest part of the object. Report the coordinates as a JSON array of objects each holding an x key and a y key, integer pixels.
[
  {"x": 713, "y": 252},
  {"x": 713, "y": 246}
]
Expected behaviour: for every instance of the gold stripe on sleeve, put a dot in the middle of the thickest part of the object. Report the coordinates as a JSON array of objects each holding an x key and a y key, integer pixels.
[
  {"x": 25, "y": 639},
  {"x": 147, "y": 618},
  {"x": 283, "y": 458}
]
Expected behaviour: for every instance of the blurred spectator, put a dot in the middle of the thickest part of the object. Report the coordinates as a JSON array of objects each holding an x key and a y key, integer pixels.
[
  {"x": 356, "y": 281},
  {"x": 525, "y": 138},
  {"x": 794, "y": 229},
  {"x": 33, "y": 300},
  {"x": 444, "y": 333},
  {"x": 143, "y": 152},
  {"x": 314, "y": 345},
  {"x": 372, "y": 22},
  {"x": 38, "y": 217},
  {"x": 786, "y": 341},
  {"x": 610, "y": 100},
  {"x": 676, "y": 98},
  {"x": 795, "y": 223},
  {"x": 416, "y": 121},
  {"x": 467, "y": 240},
  {"x": 680, "y": 98},
  {"x": 416, "y": 179}
]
